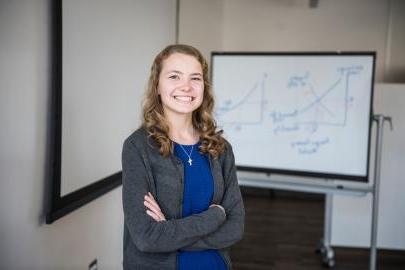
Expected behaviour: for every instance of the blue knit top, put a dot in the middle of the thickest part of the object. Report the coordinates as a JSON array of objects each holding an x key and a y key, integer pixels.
[{"x": 197, "y": 196}]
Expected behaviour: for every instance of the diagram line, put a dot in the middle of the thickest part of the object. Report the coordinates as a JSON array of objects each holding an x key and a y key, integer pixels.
[
  {"x": 320, "y": 97},
  {"x": 243, "y": 100},
  {"x": 320, "y": 103}
]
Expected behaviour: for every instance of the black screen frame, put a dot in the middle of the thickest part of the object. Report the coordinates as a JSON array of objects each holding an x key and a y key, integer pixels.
[
  {"x": 269, "y": 170},
  {"x": 63, "y": 205}
]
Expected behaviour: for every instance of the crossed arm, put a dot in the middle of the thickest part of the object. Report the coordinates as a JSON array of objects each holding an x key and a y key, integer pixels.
[
  {"x": 150, "y": 230},
  {"x": 154, "y": 211}
]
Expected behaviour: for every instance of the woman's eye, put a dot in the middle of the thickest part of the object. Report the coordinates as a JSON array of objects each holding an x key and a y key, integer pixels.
[
  {"x": 196, "y": 79},
  {"x": 174, "y": 77}
]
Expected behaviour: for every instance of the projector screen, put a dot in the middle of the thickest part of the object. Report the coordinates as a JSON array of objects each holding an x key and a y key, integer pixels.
[
  {"x": 305, "y": 114},
  {"x": 101, "y": 58}
]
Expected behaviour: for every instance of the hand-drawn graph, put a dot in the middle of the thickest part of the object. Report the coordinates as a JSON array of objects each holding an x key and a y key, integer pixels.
[
  {"x": 305, "y": 106},
  {"x": 327, "y": 107},
  {"x": 253, "y": 101}
]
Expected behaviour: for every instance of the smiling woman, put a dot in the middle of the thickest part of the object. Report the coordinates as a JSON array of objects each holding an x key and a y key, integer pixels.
[
  {"x": 180, "y": 84},
  {"x": 182, "y": 204}
]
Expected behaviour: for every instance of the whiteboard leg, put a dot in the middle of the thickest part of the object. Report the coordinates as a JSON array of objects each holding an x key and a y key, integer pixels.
[
  {"x": 325, "y": 248},
  {"x": 373, "y": 244},
  {"x": 328, "y": 223},
  {"x": 374, "y": 213},
  {"x": 377, "y": 173}
]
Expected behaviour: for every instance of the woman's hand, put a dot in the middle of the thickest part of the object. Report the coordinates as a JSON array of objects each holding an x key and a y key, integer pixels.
[
  {"x": 153, "y": 208},
  {"x": 220, "y": 206}
]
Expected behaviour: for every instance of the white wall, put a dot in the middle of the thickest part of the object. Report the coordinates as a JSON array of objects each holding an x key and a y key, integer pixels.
[
  {"x": 351, "y": 216},
  {"x": 396, "y": 42},
  {"x": 274, "y": 25},
  {"x": 201, "y": 24},
  {"x": 93, "y": 231},
  {"x": 293, "y": 26}
]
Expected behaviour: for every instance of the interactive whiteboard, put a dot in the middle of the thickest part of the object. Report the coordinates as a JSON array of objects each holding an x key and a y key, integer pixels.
[{"x": 296, "y": 113}]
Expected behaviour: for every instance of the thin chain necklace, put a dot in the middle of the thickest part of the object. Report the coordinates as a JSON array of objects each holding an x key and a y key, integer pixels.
[{"x": 190, "y": 161}]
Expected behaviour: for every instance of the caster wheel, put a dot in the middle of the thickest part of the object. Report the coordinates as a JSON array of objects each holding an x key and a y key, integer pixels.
[
  {"x": 327, "y": 255},
  {"x": 329, "y": 263}
]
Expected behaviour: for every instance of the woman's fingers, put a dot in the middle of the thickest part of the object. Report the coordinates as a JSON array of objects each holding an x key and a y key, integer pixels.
[
  {"x": 153, "y": 199},
  {"x": 151, "y": 206},
  {"x": 156, "y": 216},
  {"x": 149, "y": 198},
  {"x": 153, "y": 209},
  {"x": 153, "y": 215}
]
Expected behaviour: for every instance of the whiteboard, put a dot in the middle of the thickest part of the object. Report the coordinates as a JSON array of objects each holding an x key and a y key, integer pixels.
[{"x": 296, "y": 113}]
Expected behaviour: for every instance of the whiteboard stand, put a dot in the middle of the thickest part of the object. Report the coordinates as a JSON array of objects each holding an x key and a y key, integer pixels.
[
  {"x": 325, "y": 248},
  {"x": 379, "y": 119},
  {"x": 329, "y": 187}
]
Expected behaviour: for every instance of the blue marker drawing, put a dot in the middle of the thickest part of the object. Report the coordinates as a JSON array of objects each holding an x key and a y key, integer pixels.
[
  {"x": 309, "y": 146},
  {"x": 254, "y": 99},
  {"x": 317, "y": 104},
  {"x": 296, "y": 80},
  {"x": 309, "y": 108}
]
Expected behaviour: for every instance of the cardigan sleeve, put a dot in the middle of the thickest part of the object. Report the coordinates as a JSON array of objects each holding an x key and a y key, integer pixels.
[
  {"x": 231, "y": 231},
  {"x": 147, "y": 234}
]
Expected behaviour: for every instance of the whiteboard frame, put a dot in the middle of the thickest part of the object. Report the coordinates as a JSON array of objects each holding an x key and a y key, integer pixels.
[{"x": 293, "y": 172}]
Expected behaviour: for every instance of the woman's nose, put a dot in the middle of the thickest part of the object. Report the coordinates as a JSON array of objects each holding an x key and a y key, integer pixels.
[{"x": 186, "y": 85}]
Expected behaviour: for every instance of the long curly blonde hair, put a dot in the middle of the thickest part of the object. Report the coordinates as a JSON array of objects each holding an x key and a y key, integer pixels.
[{"x": 203, "y": 121}]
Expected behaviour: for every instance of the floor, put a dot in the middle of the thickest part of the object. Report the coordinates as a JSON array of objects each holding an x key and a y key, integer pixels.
[{"x": 283, "y": 229}]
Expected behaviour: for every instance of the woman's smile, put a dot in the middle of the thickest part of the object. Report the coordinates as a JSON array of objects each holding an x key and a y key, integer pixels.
[{"x": 184, "y": 99}]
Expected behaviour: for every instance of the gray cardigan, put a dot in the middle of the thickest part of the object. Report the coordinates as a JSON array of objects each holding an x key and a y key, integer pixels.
[{"x": 153, "y": 245}]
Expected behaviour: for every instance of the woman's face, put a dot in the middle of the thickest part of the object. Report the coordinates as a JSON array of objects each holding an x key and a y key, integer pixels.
[{"x": 181, "y": 84}]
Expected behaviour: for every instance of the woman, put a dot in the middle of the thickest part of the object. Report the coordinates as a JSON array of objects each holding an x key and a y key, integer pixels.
[{"x": 182, "y": 204}]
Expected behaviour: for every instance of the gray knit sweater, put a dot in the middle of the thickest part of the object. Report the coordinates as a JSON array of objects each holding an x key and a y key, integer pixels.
[{"x": 153, "y": 245}]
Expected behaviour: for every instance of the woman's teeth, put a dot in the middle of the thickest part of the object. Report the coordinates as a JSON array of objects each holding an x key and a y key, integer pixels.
[{"x": 183, "y": 98}]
